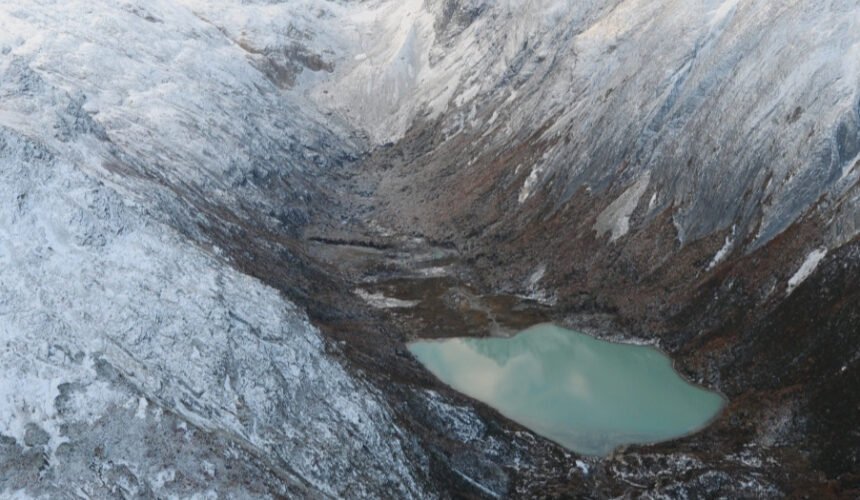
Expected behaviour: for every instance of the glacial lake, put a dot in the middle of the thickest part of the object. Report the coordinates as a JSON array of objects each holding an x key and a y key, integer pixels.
[{"x": 588, "y": 395}]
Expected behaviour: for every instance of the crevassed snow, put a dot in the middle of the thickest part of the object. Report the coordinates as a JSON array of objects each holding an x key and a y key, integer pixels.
[{"x": 810, "y": 264}]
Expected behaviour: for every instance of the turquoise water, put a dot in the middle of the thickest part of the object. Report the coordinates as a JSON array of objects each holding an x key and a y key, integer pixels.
[{"x": 588, "y": 395}]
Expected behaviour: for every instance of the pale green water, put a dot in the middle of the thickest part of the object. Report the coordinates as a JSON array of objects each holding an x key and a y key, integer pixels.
[{"x": 586, "y": 394}]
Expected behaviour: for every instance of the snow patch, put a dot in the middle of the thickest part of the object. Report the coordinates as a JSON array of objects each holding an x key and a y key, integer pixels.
[
  {"x": 724, "y": 251},
  {"x": 141, "y": 408},
  {"x": 434, "y": 272},
  {"x": 615, "y": 219},
  {"x": 533, "y": 178},
  {"x": 380, "y": 301},
  {"x": 163, "y": 477},
  {"x": 537, "y": 275},
  {"x": 536, "y": 293},
  {"x": 529, "y": 184},
  {"x": 806, "y": 269},
  {"x": 722, "y": 12},
  {"x": 653, "y": 202}
]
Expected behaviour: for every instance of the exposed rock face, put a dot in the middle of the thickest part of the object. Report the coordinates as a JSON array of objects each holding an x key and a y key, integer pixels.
[
  {"x": 678, "y": 170},
  {"x": 192, "y": 190},
  {"x": 606, "y": 92}
]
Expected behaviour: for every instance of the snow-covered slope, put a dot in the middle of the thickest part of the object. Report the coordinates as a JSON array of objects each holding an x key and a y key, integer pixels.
[
  {"x": 174, "y": 100},
  {"x": 110, "y": 321},
  {"x": 136, "y": 134},
  {"x": 734, "y": 118},
  {"x": 136, "y": 360},
  {"x": 738, "y": 113}
]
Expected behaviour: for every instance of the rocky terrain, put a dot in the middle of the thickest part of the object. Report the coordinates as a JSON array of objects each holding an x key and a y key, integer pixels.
[{"x": 221, "y": 221}]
